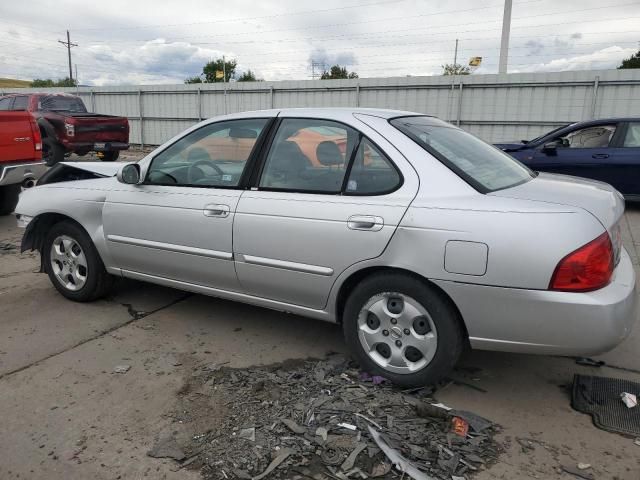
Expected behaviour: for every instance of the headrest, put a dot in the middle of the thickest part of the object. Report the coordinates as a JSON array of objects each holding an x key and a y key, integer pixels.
[{"x": 328, "y": 154}]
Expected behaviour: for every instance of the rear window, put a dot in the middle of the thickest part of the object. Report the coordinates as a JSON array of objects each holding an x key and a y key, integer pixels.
[
  {"x": 61, "y": 103},
  {"x": 483, "y": 166}
]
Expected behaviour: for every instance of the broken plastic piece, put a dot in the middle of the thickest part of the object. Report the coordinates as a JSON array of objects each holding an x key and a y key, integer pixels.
[
  {"x": 293, "y": 426},
  {"x": 348, "y": 426},
  {"x": 460, "y": 426},
  {"x": 629, "y": 399},
  {"x": 396, "y": 458},
  {"x": 282, "y": 456}
]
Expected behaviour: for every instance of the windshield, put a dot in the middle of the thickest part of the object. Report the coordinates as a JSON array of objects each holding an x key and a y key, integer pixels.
[
  {"x": 62, "y": 104},
  {"x": 483, "y": 166}
]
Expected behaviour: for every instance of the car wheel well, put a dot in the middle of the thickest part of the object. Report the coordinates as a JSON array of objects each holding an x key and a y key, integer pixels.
[
  {"x": 355, "y": 278},
  {"x": 35, "y": 235}
]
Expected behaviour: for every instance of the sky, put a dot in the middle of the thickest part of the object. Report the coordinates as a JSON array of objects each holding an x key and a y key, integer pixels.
[{"x": 138, "y": 42}]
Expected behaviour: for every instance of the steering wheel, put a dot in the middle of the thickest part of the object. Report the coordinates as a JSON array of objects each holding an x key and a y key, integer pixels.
[{"x": 192, "y": 176}]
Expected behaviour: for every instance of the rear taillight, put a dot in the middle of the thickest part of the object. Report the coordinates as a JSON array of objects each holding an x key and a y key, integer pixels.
[
  {"x": 37, "y": 138},
  {"x": 588, "y": 268}
]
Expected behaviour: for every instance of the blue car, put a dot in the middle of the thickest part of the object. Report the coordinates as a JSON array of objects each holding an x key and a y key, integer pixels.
[{"x": 607, "y": 150}]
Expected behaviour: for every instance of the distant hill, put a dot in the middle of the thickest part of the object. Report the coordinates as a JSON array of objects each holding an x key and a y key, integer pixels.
[{"x": 11, "y": 83}]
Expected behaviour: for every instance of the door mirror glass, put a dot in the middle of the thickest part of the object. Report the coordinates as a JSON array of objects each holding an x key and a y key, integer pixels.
[
  {"x": 129, "y": 174},
  {"x": 551, "y": 147}
]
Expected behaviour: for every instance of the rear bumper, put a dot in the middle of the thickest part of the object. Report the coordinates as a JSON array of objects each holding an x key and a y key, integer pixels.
[
  {"x": 18, "y": 172},
  {"x": 546, "y": 322},
  {"x": 96, "y": 146}
]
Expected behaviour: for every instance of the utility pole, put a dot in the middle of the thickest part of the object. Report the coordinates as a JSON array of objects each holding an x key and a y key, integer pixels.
[
  {"x": 455, "y": 55},
  {"x": 504, "y": 43},
  {"x": 68, "y": 44}
]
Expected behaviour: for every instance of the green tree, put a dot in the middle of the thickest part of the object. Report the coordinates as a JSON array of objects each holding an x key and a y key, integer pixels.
[
  {"x": 632, "y": 62},
  {"x": 210, "y": 69},
  {"x": 455, "y": 69},
  {"x": 66, "y": 82},
  {"x": 42, "y": 83},
  {"x": 248, "y": 76},
  {"x": 195, "y": 79},
  {"x": 337, "y": 72}
]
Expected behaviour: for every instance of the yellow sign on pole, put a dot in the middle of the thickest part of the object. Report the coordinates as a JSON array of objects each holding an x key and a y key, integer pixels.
[
  {"x": 219, "y": 74},
  {"x": 475, "y": 61}
]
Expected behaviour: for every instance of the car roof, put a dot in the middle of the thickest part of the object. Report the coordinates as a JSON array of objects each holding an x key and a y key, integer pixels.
[
  {"x": 50, "y": 94},
  {"x": 600, "y": 121}
]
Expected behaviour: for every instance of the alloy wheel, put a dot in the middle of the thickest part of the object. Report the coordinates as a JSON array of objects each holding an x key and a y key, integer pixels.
[
  {"x": 397, "y": 332},
  {"x": 68, "y": 263}
]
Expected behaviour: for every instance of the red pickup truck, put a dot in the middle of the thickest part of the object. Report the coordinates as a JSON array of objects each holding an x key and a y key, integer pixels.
[
  {"x": 66, "y": 126},
  {"x": 20, "y": 156}
]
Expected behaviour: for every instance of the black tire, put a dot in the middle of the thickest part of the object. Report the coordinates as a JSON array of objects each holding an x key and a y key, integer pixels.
[
  {"x": 110, "y": 156},
  {"x": 98, "y": 281},
  {"x": 8, "y": 198},
  {"x": 52, "y": 151},
  {"x": 448, "y": 325}
]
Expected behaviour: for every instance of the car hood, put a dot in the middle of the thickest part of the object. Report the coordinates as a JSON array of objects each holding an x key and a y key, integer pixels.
[
  {"x": 600, "y": 199},
  {"x": 510, "y": 146},
  {"x": 101, "y": 168}
]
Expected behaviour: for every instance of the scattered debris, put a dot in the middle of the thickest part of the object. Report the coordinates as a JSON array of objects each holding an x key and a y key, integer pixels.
[
  {"x": 121, "y": 368},
  {"x": 248, "y": 434},
  {"x": 629, "y": 399},
  {"x": 167, "y": 447},
  {"x": 637, "y": 442},
  {"x": 460, "y": 426},
  {"x": 584, "y": 466},
  {"x": 318, "y": 420},
  {"x": 578, "y": 473}
]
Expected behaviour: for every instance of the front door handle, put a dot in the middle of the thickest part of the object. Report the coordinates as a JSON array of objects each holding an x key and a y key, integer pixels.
[
  {"x": 365, "y": 222},
  {"x": 215, "y": 210},
  {"x": 600, "y": 155}
]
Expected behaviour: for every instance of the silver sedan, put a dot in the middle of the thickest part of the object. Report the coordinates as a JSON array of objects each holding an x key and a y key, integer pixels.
[{"x": 415, "y": 236}]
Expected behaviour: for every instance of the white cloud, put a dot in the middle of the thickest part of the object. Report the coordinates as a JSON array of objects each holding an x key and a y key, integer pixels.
[{"x": 605, "y": 58}]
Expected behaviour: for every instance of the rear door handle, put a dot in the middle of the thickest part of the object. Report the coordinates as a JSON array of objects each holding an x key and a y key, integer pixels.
[
  {"x": 214, "y": 210},
  {"x": 600, "y": 155},
  {"x": 365, "y": 222}
]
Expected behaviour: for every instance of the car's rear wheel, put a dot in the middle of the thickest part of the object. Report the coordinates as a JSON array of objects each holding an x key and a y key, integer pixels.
[
  {"x": 403, "y": 329},
  {"x": 8, "y": 198},
  {"x": 110, "y": 156},
  {"x": 73, "y": 264}
]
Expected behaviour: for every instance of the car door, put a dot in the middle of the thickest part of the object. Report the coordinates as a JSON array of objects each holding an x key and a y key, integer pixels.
[
  {"x": 582, "y": 151},
  {"x": 627, "y": 156},
  {"x": 178, "y": 223},
  {"x": 327, "y": 197}
]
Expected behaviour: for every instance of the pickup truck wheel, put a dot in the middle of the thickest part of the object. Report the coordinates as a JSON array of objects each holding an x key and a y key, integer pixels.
[
  {"x": 8, "y": 198},
  {"x": 73, "y": 264},
  {"x": 52, "y": 151},
  {"x": 111, "y": 156},
  {"x": 402, "y": 329}
]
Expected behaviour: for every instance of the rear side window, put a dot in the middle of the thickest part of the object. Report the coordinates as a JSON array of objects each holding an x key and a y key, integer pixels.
[
  {"x": 632, "y": 138},
  {"x": 5, "y": 103},
  {"x": 20, "y": 103},
  {"x": 483, "y": 166},
  {"x": 309, "y": 155},
  {"x": 372, "y": 173}
]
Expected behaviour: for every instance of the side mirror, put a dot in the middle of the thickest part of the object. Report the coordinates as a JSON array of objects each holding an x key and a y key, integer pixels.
[
  {"x": 129, "y": 174},
  {"x": 551, "y": 147}
]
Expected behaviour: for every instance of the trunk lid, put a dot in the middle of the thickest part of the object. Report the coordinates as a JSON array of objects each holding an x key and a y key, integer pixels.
[
  {"x": 600, "y": 199},
  {"x": 91, "y": 127}
]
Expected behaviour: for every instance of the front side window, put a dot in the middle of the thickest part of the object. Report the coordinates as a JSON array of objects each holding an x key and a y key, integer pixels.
[
  {"x": 212, "y": 156},
  {"x": 371, "y": 173},
  {"x": 309, "y": 155},
  {"x": 590, "y": 137},
  {"x": 5, "y": 103},
  {"x": 632, "y": 137},
  {"x": 483, "y": 166}
]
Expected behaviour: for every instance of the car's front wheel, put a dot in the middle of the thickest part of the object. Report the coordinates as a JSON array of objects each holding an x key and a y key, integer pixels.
[
  {"x": 403, "y": 329},
  {"x": 110, "y": 156},
  {"x": 73, "y": 264}
]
